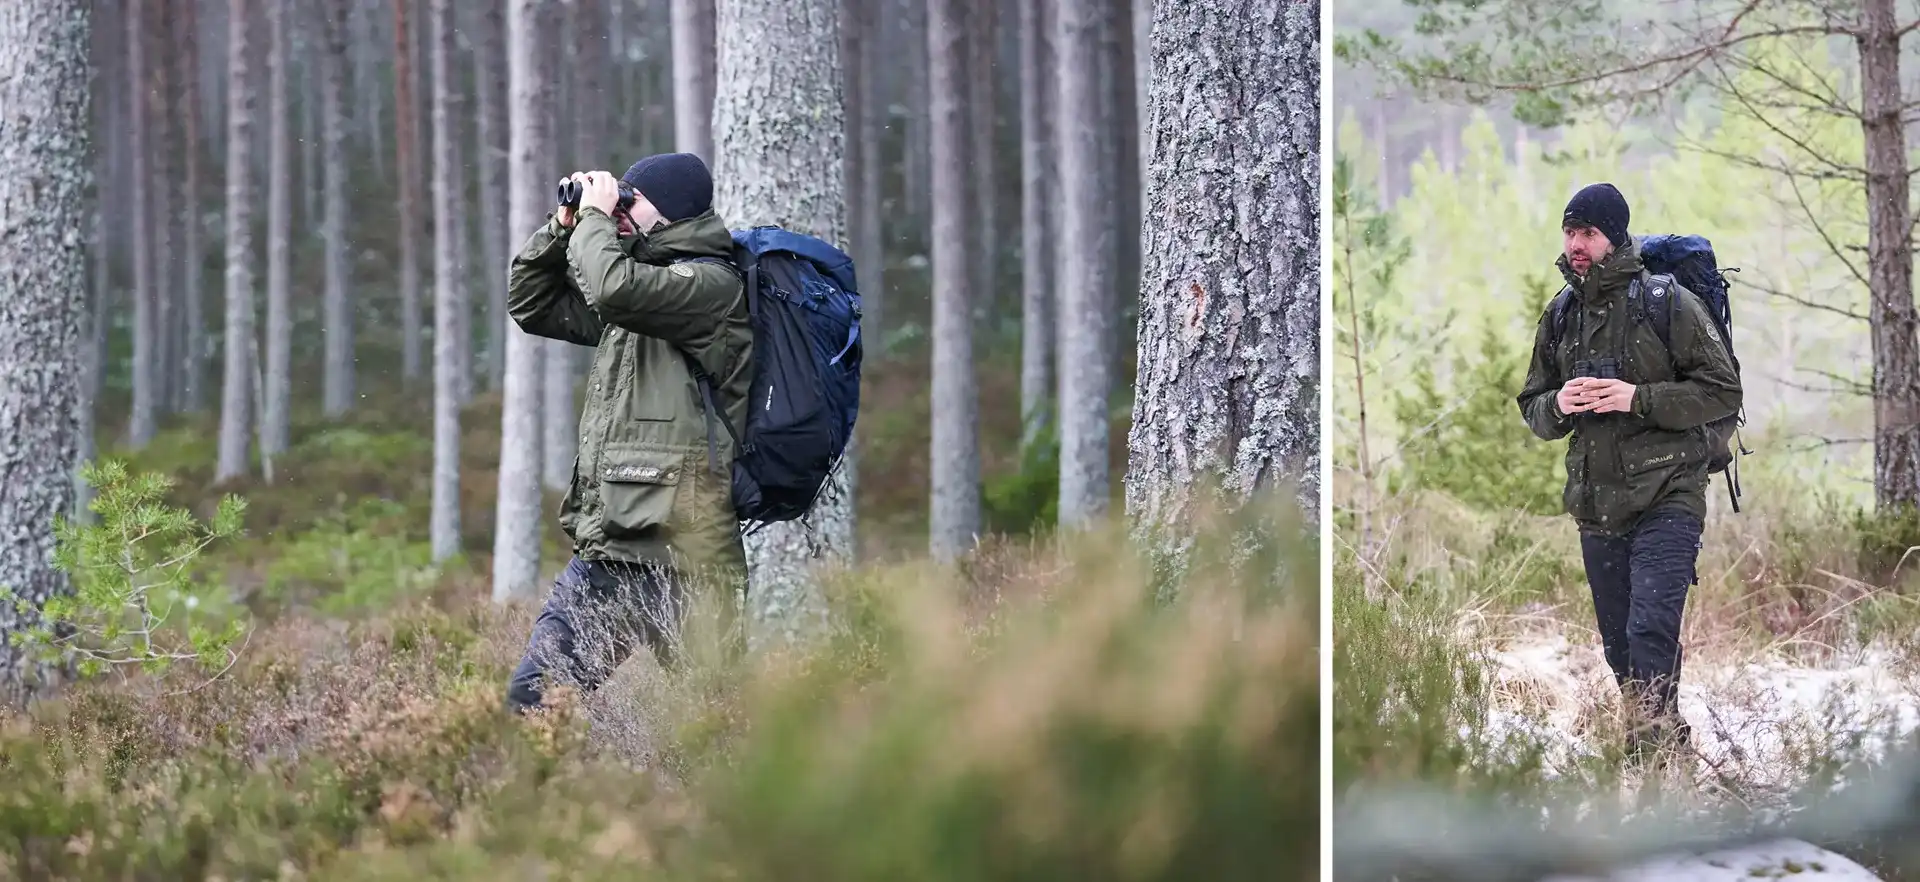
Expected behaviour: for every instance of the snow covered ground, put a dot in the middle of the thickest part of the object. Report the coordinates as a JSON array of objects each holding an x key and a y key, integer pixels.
[
  {"x": 1756, "y": 721},
  {"x": 1784, "y": 859},
  {"x": 1757, "y": 724}
]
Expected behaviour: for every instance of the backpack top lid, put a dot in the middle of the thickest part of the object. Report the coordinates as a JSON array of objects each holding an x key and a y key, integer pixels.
[
  {"x": 1690, "y": 257},
  {"x": 834, "y": 262}
]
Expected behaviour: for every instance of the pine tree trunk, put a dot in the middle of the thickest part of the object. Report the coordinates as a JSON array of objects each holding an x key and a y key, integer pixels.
[
  {"x": 1087, "y": 227},
  {"x": 1229, "y": 351},
  {"x": 1892, "y": 316},
  {"x": 193, "y": 357},
  {"x": 164, "y": 185},
  {"x": 406, "y": 166},
  {"x": 1123, "y": 170},
  {"x": 983, "y": 115},
  {"x": 279, "y": 378},
  {"x": 101, "y": 86},
  {"x": 142, "y": 421},
  {"x": 917, "y": 162},
  {"x": 490, "y": 89},
  {"x": 863, "y": 163},
  {"x": 449, "y": 301},
  {"x": 234, "y": 413},
  {"x": 870, "y": 245},
  {"x": 516, "y": 536},
  {"x": 955, "y": 516},
  {"x": 1038, "y": 195},
  {"x": 336, "y": 300},
  {"x": 44, "y": 172},
  {"x": 694, "y": 72},
  {"x": 779, "y": 133}
]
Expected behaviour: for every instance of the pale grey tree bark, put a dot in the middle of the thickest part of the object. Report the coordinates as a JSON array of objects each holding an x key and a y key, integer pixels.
[
  {"x": 449, "y": 300},
  {"x": 337, "y": 300},
  {"x": 1229, "y": 346},
  {"x": 44, "y": 172},
  {"x": 1038, "y": 195},
  {"x": 163, "y": 156},
  {"x": 234, "y": 414},
  {"x": 193, "y": 360},
  {"x": 1087, "y": 229},
  {"x": 917, "y": 158},
  {"x": 954, "y": 520},
  {"x": 143, "y": 420},
  {"x": 560, "y": 418},
  {"x": 864, "y": 109},
  {"x": 516, "y": 535},
  {"x": 101, "y": 87},
  {"x": 490, "y": 160},
  {"x": 779, "y": 135},
  {"x": 983, "y": 118},
  {"x": 694, "y": 73},
  {"x": 1143, "y": 75},
  {"x": 307, "y": 50},
  {"x": 279, "y": 378},
  {"x": 406, "y": 139}
]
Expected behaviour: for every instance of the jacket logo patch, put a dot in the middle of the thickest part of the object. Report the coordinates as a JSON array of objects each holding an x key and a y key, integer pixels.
[
  {"x": 681, "y": 270},
  {"x": 1713, "y": 333},
  {"x": 1658, "y": 460},
  {"x": 648, "y": 474}
]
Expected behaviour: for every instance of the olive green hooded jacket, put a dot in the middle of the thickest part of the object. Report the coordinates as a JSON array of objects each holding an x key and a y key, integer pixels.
[
  {"x": 1621, "y": 466},
  {"x": 642, "y": 488}
]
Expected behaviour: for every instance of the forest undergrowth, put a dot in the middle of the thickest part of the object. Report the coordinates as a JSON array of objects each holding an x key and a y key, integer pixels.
[
  {"x": 1032, "y": 713},
  {"x": 1466, "y": 657}
]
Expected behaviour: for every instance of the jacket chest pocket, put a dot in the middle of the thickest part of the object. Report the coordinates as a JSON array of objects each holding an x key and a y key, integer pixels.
[
  {"x": 638, "y": 491},
  {"x": 645, "y": 386}
]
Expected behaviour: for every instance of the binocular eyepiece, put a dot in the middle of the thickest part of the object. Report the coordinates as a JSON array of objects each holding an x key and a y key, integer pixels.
[{"x": 570, "y": 190}]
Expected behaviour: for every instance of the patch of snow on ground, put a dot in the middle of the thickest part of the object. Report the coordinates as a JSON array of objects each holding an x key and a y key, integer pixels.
[
  {"x": 1782, "y": 859},
  {"x": 1757, "y": 722}
]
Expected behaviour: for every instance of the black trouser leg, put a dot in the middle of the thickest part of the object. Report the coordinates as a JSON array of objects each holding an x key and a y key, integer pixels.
[
  {"x": 1666, "y": 547},
  {"x": 1609, "y": 562},
  {"x": 1639, "y": 584},
  {"x": 596, "y": 613}
]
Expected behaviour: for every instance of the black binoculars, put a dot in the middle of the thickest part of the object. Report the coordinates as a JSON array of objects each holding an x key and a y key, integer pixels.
[
  {"x": 570, "y": 190},
  {"x": 1599, "y": 368}
]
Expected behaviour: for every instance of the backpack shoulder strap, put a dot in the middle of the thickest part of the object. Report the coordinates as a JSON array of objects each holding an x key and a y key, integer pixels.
[
  {"x": 1659, "y": 304},
  {"x": 1557, "y": 315},
  {"x": 705, "y": 380}
]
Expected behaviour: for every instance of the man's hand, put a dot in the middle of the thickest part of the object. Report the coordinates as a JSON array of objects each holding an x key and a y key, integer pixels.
[
  {"x": 1590, "y": 395},
  {"x": 603, "y": 192},
  {"x": 1609, "y": 396}
]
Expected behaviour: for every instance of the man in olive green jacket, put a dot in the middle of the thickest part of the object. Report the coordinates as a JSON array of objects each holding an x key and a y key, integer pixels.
[
  {"x": 649, "y": 512},
  {"x": 1637, "y": 460}
]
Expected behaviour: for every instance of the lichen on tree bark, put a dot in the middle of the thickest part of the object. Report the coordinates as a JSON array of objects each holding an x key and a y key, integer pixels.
[
  {"x": 779, "y": 141},
  {"x": 1229, "y": 343},
  {"x": 44, "y": 171}
]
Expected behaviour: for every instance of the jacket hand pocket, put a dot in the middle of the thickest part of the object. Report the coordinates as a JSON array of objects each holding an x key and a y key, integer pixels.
[
  {"x": 1684, "y": 449},
  {"x": 638, "y": 490}
]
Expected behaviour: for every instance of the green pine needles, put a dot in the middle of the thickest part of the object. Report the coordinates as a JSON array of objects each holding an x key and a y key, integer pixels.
[{"x": 136, "y": 595}]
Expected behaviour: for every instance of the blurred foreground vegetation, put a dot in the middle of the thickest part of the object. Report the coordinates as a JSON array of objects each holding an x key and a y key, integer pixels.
[{"x": 1035, "y": 713}]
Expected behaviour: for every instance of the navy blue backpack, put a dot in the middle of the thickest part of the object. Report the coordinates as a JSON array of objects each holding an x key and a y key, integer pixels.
[
  {"x": 804, "y": 307},
  {"x": 1689, "y": 261}
]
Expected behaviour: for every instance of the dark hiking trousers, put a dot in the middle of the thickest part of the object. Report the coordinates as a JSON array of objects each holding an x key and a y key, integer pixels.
[
  {"x": 595, "y": 616},
  {"x": 1640, "y": 584}
]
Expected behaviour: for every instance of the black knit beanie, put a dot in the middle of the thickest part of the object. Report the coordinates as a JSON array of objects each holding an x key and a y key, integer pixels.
[
  {"x": 677, "y": 184},
  {"x": 1602, "y": 207}
]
